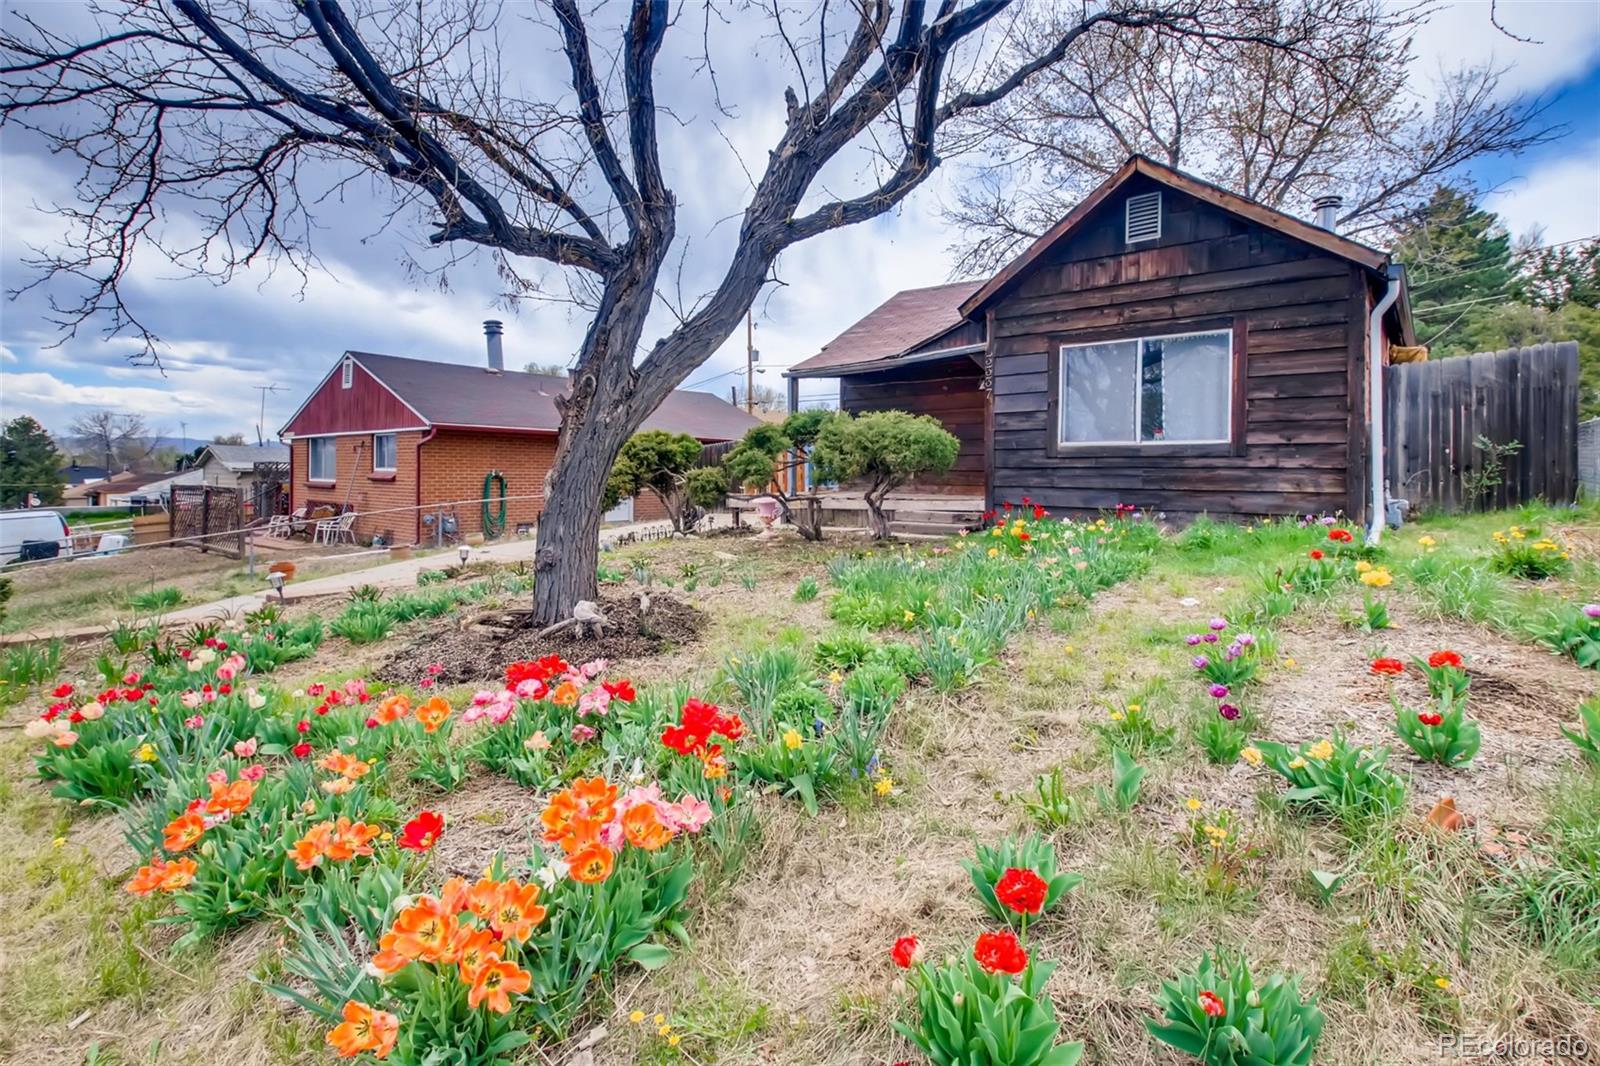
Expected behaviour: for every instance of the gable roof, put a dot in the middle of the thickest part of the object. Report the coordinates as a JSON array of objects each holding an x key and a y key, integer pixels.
[
  {"x": 902, "y": 322},
  {"x": 243, "y": 457},
  {"x": 463, "y": 396},
  {"x": 1369, "y": 258}
]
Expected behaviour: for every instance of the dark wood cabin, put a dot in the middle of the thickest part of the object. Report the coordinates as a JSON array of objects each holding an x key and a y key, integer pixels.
[{"x": 1169, "y": 345}]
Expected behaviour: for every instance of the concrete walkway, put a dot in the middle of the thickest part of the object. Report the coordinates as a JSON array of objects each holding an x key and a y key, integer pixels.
[{"x": 401, "y": 573}]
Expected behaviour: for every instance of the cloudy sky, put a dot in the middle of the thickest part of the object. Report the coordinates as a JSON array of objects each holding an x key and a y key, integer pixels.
[{"x": 277, "y": 330}]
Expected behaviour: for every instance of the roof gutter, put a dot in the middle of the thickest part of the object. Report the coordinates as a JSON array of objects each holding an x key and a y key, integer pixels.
[
  {"x": 846, "y": 369},
  {"x": 1376, "y": 504}
]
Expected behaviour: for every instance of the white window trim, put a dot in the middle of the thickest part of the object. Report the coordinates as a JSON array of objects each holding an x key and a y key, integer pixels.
[
  {"x": 1062, "y": 444},
  {"x": 392, "y": 467},
  {"x": 311, "y": 452},
  {"x": 347, "y": 374}
]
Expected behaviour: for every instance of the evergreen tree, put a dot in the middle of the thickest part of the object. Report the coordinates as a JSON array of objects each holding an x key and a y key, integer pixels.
[
  {"x": 1461, "y": 267},
  {"x": 29, "y": 463}
]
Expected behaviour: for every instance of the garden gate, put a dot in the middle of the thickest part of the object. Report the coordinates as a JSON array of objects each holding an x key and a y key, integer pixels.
[
  {"x": 1449, "y": 422},
  {"x": 204, "y": 511}
]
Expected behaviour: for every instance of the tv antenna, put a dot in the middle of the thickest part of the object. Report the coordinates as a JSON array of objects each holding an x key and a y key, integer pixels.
[{"x": 262, "y": 418}]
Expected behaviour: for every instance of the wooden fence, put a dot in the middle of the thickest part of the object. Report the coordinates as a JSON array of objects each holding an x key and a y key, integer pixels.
[
  {"x": 213, "y": 516},
  {"x": 1437, "y": 411}
]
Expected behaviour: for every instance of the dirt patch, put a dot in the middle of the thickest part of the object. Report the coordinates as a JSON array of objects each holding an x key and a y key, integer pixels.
[
  {"x": 468, "y": 655},
  {"x": 1520, "y": 697},
  {"x": 488, "y": 814}
]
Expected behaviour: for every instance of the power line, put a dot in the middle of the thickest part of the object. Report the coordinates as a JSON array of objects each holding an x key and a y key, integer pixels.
[{"x": 1474, "y": 265}]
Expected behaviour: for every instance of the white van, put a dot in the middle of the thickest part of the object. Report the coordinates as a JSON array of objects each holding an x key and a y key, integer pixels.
[{"x": 33, "y": 534}]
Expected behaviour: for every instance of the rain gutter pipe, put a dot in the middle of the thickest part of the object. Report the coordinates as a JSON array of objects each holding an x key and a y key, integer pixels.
[{"x": 1376, "y": 506}]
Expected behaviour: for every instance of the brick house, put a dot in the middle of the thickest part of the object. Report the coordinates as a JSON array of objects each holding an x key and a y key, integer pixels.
[{"x": 409, "y": 442}]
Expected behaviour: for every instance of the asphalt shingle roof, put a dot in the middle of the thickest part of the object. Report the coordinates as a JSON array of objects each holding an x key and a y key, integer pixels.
[
  {"x": 458, "y": 394},
  {"x": 903, "y": 321}
]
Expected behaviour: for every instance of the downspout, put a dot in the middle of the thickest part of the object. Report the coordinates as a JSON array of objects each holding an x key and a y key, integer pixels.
[
  {"x": 1376, "y": 505},
  {"x": 416, "y": 515}
]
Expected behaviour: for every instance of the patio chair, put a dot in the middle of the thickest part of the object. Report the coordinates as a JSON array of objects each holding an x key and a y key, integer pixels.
[
  {"x": 337, "y": 530},
  {"x": 278, "y": 526}
]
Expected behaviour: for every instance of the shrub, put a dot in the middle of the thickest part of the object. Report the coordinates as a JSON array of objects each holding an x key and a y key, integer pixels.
[
  {"x": 363, "y": 622},
  {"x": 663, "y": 464},
  {"x": 1337, "y": 778},
  {"x": 883, "y": 449},
  {"x": 1219, "y": 1015},
  {"x": 1034, "y": 854}
]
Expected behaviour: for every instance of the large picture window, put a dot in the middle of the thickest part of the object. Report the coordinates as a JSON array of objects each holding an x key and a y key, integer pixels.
[
  {"x": 320, "y": 462},
  {"x": 1174, "y": 389}
]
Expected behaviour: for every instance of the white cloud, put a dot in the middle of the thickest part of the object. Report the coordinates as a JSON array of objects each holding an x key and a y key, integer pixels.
[
  {"x": 1561, "y": 196},
  {"x": 1563, "y": 41}
]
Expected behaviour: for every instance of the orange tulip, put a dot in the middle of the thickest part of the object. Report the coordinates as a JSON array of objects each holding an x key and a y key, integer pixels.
[
  {"x": 389, "y": 959},
  {"x": 596, "y": 795},
  {"x": 393, "y": 708},
  {"x": 476, "y": 948},
  {"x": 345, "y": 765},
  {"x": 352, "y": 839},
  {"x": 495, "y": 983},
  {"x": 453, "y": 895},
  {"x": 232, "y": 797},
  {"x": 183, "y": 832},
  {"x": 565, "y": 694},
  {"x": 163, "y": 875},
  {"x": 518, "y": 911},
  {"x": 644, "y": 828},
  {"x": 364, "y": 1029},
  {"x": 309, "y": 849},
  {"x": 483, "y": 898},
  {"x": 425, "y": 931},
  {"x": 432, "y": 714},
  {"x": 591, "y": 865}
]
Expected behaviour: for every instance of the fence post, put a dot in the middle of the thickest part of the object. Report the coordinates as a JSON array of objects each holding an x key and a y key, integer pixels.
[{"x": 205, "y": 518}]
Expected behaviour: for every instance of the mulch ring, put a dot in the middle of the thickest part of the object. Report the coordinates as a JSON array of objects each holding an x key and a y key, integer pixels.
[{"x": 474, "y": 654}]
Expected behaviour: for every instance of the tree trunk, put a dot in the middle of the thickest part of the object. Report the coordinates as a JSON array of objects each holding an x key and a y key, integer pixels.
[
  {"x": 568, "y": 551},
  {"x": 875, "y": 516}
]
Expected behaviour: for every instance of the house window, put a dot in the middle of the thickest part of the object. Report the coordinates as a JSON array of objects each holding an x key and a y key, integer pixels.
[
  {"x": 347, "y": 373},
  {"x": 320, "y": 465},
  {"x": 383, "y": 453},
  {"x": 1175, "y": 389}
]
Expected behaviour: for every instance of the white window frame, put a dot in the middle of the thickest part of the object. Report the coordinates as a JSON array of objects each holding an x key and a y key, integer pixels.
[
  {"x": 311, "y": 459},
  {"x": 394, "y": 453},
  {"x": 347, "y": 373},
  {"x": 1138, "y": 392}
]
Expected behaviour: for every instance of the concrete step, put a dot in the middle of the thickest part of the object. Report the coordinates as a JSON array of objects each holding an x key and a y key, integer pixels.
[
  {"x": 925, "y": 529},
  {"x": 952, "y": 518}
]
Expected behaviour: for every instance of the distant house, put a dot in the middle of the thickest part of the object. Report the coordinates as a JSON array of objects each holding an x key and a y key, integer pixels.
[
  {"x": 151, "y": 490},
  {"x": 76, "y": 474},
  {"x": 1167, "y": 344},
  {"x": 99, "y": 493},
  {"x": 404, "y": 441},
  {"x": 238, "y": 466}
]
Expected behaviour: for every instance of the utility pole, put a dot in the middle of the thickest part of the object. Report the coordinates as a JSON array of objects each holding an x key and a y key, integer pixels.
[{"x": 749, "y": 362}]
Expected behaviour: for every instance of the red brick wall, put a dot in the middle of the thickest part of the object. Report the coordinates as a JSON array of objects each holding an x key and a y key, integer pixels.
[
  {"x": 647, "y": 507},
  {"x": 455, "y": 462},
  {"x": 357, "y": 485}
]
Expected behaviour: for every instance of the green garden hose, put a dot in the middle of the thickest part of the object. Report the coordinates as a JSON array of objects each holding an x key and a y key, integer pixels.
[{"x": 494, "y": 524}]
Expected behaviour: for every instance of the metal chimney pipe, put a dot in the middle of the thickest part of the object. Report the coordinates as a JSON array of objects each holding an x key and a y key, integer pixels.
[
  {"x": 492, "y": 330},
  {"x": 1328, "y": 212}
]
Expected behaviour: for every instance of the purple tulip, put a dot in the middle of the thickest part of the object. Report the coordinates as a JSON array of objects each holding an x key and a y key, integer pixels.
[
  {"x": 1328, "y": 520},
  {"x": 1218, "y": 623},
  {"x": 1245, "y": 639},
  {"x": 1228, "y": 711},
  {"x": 1192, "y": 639},
  {"x": 1200, "y": 662},
  {"x": 1210, "y": 638},
  {"x": 1592, "y": 610},
  {"x": 1219, "y": 691},
  {"x": 1231, "y": 654}
]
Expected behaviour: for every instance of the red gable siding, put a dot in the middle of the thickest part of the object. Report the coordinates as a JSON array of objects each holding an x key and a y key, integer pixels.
[{"x": 366, "y": 406}]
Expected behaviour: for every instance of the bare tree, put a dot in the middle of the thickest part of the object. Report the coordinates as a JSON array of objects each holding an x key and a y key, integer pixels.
[
  {"x": 1339, "y": 115},
  {"x": 117, "y": 438},
  {"x": 220, "y": 111}
]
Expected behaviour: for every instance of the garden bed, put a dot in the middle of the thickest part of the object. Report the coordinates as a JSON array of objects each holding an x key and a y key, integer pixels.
[{"x": 478, "y": 649}]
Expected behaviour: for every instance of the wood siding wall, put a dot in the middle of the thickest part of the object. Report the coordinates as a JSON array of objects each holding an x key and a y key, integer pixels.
[
  {"x": 366, "y": 405},
  {"x": 948, "y": 390},
  {"x": 1297, "y": 440}
]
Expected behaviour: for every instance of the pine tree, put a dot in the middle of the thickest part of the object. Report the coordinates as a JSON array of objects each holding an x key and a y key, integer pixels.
[
  {"x": 1461, "y": 267},
  {"x": 29, "y": 463}
]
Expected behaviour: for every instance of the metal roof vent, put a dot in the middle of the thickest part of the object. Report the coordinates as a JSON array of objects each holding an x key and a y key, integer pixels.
[{"x": 1143, "y": 218}]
